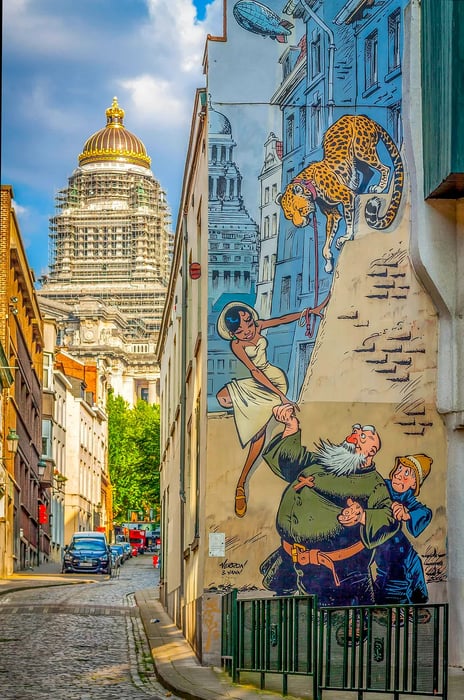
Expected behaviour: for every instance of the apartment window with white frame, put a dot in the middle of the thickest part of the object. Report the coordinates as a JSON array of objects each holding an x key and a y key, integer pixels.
[
  {"x": 47, "y": 437},
  {"x": 47, "y": 370}
]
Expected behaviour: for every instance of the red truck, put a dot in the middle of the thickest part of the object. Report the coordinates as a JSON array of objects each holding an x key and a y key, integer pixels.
[{"x": 138, "y": 540}]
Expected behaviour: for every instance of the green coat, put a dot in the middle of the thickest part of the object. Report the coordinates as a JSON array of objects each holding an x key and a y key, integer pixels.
[{"x": 309, "y": 515}]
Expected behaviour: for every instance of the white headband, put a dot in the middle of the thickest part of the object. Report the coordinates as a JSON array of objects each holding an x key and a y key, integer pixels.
[{"x": 418, "y": 466}]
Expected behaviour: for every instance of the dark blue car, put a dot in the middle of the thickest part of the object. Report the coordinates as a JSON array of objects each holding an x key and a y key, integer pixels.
[{"x": 87, "y": 555}]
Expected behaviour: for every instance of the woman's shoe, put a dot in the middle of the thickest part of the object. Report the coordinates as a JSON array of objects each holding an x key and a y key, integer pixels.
[{"x": 240, "y": 502}]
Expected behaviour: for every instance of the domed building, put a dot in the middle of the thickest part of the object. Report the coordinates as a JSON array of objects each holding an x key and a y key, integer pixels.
[{"x": 109, "y": 258}]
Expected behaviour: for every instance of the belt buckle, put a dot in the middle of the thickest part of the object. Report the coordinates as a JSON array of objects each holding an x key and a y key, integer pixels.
[{"x": 295, "y": 547}]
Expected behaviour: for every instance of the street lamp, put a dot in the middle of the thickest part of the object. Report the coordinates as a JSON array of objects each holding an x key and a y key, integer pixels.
[
  {"x": 12, "y": 440},
  {"x": 41, "y": 467}
]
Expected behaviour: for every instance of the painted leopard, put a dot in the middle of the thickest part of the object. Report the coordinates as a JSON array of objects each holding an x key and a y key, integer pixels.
[{"x": 350, "y": 149}]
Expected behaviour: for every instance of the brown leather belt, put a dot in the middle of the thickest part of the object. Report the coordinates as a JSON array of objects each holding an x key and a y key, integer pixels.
[{"x": 301, "y": 555}]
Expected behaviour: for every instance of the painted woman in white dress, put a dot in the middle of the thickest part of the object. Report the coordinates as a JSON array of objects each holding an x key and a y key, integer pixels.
[{"x": 253, "y": 398}]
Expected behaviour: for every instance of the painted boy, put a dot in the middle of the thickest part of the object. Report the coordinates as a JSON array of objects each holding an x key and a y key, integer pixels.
[{"x": 400, "y": 576}]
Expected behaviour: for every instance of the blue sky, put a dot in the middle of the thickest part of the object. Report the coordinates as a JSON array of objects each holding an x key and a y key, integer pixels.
[{"x": 63, "y": 61}]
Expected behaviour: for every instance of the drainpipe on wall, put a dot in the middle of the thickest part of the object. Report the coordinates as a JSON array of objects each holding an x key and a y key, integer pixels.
[
  {"x": 330, "y": 34},
  {"x": 183, "y": 398}
]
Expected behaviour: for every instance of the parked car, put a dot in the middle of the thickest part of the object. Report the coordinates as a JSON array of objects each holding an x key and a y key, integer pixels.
[
  {"x": 120, "y": 550},
  {"x": 115, "y": 560},
  {"x": 87, "y": 555},
  {"x": 127, "y": 549}
]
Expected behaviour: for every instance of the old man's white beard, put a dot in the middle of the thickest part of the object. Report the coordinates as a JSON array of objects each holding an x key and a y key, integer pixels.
[{"x": 341, "y": 459}]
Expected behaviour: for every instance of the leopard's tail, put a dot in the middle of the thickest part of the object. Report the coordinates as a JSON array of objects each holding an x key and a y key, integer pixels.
[{"x": 373, "y": 205}]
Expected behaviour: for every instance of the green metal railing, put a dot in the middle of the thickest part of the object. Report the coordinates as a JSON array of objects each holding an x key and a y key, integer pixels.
[
  {"x": 400, "y": 650},
  {"x": 270, "y": 635}
]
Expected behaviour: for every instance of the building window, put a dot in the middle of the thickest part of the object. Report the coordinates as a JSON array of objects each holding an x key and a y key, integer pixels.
[
  {"x": 273, "y": 262},
  {"x": 286, "y": 67},
  {"x": 274, "y": 192},
  {"x": 266, "y": 195},
  {"x": 290, "y": 133},
  {"x": 315, "y": 56},
  {"x": 316, "y": 122},
  {"x": 47, "y": 370},
  {"x": 266, "y": 227},
  {"x": 302, "y": 125},
  {"x": 214, "y": 153},
  {"x": 274, "y": 225},
  {"x": 221, "y": 188},
  {"x": 395, "y": 123},
  {"x": 266, "y": 267},
  {"x": 299, "y": 287},
  {"x": 47, "y": 435},
  {"x": 371, "y": 60},
  {"x": 394, "y": 36},
  {"x": 285, "y": 293}
]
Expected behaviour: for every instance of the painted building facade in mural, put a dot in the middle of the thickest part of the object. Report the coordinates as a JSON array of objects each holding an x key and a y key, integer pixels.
[{"x": 322, "y": 342}]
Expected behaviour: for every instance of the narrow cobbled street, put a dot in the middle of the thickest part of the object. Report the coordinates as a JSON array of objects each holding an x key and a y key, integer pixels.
[{"x": 79, "y": 642}]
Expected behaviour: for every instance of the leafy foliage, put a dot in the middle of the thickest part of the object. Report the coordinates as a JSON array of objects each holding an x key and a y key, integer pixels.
[{"x": 133, "y": 456}]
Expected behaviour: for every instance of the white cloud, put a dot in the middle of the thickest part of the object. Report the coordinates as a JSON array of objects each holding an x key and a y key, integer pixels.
[
  {"x": 158, "y": 98},
  {"x": 19, "y": 209}
]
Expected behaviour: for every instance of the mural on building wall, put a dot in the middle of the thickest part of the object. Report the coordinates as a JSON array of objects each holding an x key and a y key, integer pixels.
[
  {"x": 337, "y": 511},
  {"x": 349, "y": 150},
  {"x": 253, "y": 398},
  {"x": 307, "y": 168}
]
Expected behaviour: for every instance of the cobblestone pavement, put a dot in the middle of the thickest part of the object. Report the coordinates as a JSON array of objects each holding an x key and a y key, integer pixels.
[{"x": 79, "y": 642}]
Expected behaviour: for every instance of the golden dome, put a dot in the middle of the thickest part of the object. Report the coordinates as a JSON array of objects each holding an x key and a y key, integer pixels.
[{"x": 114, "y": 142}]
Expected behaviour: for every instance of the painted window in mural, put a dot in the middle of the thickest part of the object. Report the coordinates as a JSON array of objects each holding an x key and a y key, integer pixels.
[{"x": 306, "y": 161}]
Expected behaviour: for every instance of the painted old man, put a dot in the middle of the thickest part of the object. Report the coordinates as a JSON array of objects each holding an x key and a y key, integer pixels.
[{"x": 333, "y": 514}]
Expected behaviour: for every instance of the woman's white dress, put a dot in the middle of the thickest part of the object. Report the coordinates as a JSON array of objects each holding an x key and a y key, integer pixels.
[{"x": 253, "y": 402}]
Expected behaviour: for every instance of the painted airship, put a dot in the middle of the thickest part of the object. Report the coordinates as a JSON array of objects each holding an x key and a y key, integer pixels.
[{"x": 259, "y": 19}]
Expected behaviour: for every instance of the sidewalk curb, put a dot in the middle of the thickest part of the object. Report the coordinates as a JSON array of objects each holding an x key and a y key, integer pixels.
[{"x": 4, "y": 590}]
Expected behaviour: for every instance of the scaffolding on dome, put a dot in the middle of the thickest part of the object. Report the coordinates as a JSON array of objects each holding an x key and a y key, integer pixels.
[{"x": 110, "y": 239}]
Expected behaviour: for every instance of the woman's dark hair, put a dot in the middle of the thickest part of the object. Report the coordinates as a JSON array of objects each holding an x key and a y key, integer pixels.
[{"x": 232, "y": 318}]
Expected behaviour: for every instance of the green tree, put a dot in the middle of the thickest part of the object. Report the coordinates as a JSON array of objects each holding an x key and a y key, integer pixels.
[{"x": 133, "y": 456}]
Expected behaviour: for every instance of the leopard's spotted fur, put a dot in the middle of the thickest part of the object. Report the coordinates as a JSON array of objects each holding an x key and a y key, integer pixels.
[{"x": 350, "y": 148}]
